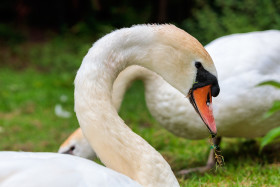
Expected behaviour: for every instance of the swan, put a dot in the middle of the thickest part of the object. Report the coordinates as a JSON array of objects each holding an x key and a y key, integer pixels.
[
  {"x": 76, "y": 144},
  {"x": 30, "y": 169},
  {"x": 243, "y": 61},
  {"x": 166, "y": 50}
]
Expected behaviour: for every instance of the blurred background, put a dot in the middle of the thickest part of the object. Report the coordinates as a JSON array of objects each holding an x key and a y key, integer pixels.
[
  {"x": 205, "y": 19},
  {"x": 42, "y": 44}
]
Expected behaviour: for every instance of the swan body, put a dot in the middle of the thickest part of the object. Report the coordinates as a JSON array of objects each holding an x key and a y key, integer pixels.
[
  {"x": 243, "y": 61},
  {"x": 164, "y": 49},
  {"x": 56, "y": 170}
]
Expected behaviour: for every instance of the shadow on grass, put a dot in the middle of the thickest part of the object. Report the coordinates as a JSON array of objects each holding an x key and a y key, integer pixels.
[{"x": 248, "y": 151}]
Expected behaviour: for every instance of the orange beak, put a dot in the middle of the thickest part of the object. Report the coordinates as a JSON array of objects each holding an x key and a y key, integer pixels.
[{"x": 201, "y": 100}]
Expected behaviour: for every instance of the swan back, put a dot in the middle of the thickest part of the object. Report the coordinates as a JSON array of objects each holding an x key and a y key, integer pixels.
[{"x": 56, "y": 170}]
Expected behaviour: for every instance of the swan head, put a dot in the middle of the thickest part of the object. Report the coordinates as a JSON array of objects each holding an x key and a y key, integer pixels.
[
  {"x": 200, "y": 96},
  {"x": 190, "y": 70},
  {"x": 77, "y": 145}
]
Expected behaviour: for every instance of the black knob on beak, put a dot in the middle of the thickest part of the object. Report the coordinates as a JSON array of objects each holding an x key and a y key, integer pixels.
[
  {"x": 204, "y": 78},
  {"x": 215, "y": 89}
]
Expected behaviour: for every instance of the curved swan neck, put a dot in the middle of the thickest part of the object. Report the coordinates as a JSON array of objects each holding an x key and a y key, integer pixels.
[{"x": 116, "y": 145}]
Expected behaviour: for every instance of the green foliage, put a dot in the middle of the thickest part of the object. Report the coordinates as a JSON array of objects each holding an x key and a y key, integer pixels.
[
  {"x": 272, "y": 135},
  {"x": 204, "y": 19},
  {"x": 9, "y": 35},
  {"x": 59, "y": 54},
  {"x": 270, "y": 83},
  {"x": 215, "y": 18},
  {"x": 42, "y": 56},
  {"x": 275, "y": 107}
]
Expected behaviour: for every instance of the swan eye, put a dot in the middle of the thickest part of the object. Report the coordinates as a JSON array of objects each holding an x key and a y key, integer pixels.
[
  {"x": 72, "y": 148},
  {"x": 198, "y": 65}
]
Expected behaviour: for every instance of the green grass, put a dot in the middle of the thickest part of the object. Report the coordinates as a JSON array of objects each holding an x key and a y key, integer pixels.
[{"x": 35, "y": 76}]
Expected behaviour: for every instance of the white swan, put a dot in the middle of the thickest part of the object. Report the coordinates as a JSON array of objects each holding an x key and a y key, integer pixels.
[
  {"x": 243, "y": 61},
  {"x": 165, "y": 49},
  {"x": 27, "y": 169}
]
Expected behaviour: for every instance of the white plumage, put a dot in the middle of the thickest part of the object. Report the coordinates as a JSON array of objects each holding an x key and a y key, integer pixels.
[{"x": 55, "y": 170}]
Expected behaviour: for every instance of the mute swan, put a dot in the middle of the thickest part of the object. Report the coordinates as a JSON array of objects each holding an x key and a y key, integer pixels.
[
  {"x": 28, "y": 169},
  {"x": 165, "y": 49},
  {"x": 243, "y": 61}
]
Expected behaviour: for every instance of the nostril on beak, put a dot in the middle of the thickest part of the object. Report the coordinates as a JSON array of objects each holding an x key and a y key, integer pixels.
[
  {"x": 208, "y": 100},
  {"x": 215, "y": 90}
]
